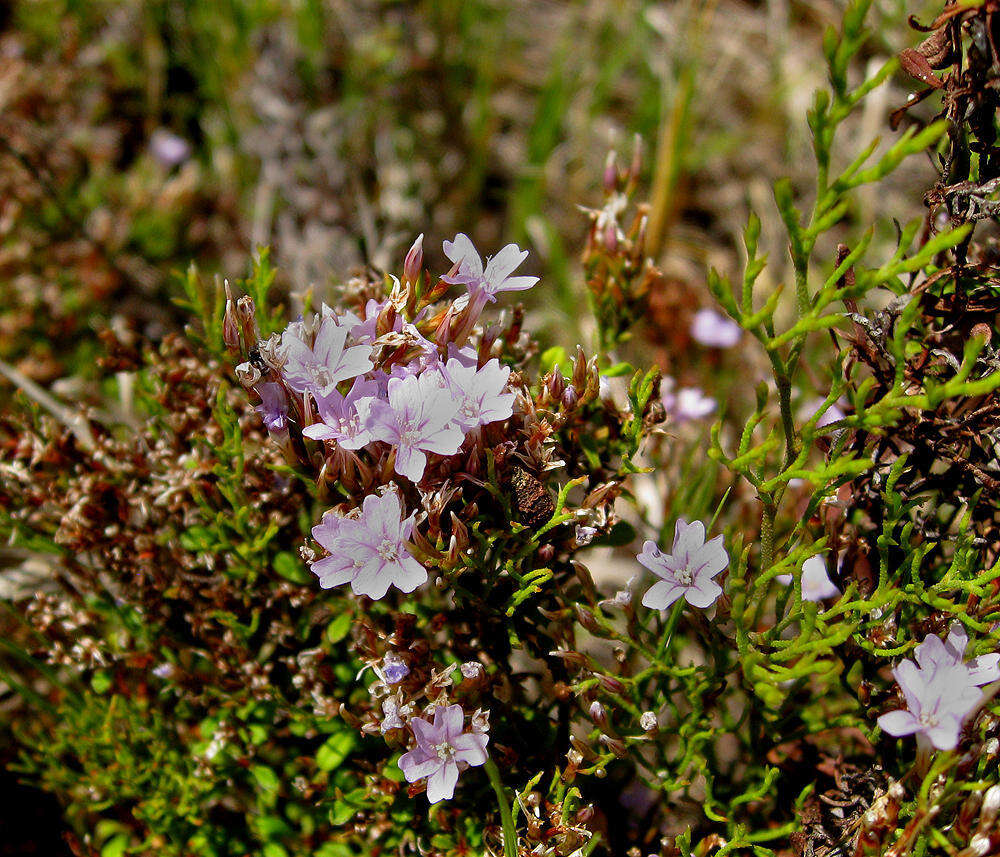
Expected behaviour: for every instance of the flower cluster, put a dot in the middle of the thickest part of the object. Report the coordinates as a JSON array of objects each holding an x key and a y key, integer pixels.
[{"x": 941, "y": 689}]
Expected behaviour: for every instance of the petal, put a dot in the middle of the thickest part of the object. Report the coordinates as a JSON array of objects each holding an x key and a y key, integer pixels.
[
  {"x": 471, "y": 748},
  {"x": 898, "y": 723},
  {"x": 410, "y": 463},
  {"x": 370, "y": 579},
  {"x": 332, "y": 571},
  {"x": 428, "y": 735},
  {"x": 687, "y": 539},
  {"x": 463, "y": 252},
  {"x": 450, "y": 719},
  {"x": 411, "y": 574},
  {"x": 517, "y": 284},
  {"x": 441, "y": 784},
  {"x": 503, "y": 264},
  {"x": 957, "y": 640},
  {"x": 703, "y": 593},
  {"x": 662, "y": 594},
  {"x": 711, "y": 558},
  {"x": 417, "y": 764},
  {"x": 985, "y": 669},
  {"x": 911, "y": 682},
  {"x": 944, "y": 736},
  {"x": 784, "y": 579}
]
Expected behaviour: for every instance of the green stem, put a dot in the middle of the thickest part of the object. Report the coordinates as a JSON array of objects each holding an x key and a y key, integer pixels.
[
  {"x": 506, "y": 819},
  {"x": 668, "y": 632}
]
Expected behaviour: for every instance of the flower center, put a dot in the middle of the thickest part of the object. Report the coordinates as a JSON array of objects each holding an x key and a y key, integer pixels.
[
  {"x": 683, "y": 576},
  {"x": 320, "y": 375},
  {"x": 408, "y": 434},
  {"x": 445, "y": 752},
  {"x": 388, "y": 551},
  {"x": 928, "y": 719}
]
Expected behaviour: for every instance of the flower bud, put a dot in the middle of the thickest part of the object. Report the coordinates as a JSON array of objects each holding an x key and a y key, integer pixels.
[
  {"x": 584, "y": 814},
  {"x": 414, "y": 260},
  {"x": 611, "y": 684},
  {"x": 610, "y": 172},
  {"x": 246, "y": 315},
  {"x": 615, "y": 746},
  {"x": 588, "y": 620},
  {"x": 648, "y": 722},
  {"x": 556, "y": 384},
  {"x": 597, "y": 714},
  {"x": 570, "y": 398},
  {"x": 230, "y": 327}
]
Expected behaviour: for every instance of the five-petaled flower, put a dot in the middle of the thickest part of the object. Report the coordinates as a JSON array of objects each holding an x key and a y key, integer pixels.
[
  {"x": 688, "y": 570},
  {"x": 816, "y": 583},
  {"x": 419, "y": 417},
  {"x": 495, "y": 277},
  {"x": 443, "y": 750},
  {"x": 479, "y": 394},
  {"x": 369, "y": 551},
  {"x": 941, "y": 689},
  {"x": 318, "y": 368}
]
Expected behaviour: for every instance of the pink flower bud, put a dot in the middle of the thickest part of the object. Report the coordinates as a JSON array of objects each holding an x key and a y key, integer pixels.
[
  {"x": 414, "y": 260},
  {"x": 610, "y": 172}
]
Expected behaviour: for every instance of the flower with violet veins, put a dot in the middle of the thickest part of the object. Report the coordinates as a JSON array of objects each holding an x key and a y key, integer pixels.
[
  {"x": 369, "y": 551},
  {"x": 495, "y": 277},
  {"x": 479, "y": 394},
  {"x": 320, "y": 368},
  {"x": 419, "y": 417},
  {"x": 443, "y": 750},
  {"x": 714, "y": 330},
  {"x": 688, "y": 570},
  {"x": 685, "y": 403},
  {"x": 273, "y": 407},
  {"x": 816, "y": 583}
]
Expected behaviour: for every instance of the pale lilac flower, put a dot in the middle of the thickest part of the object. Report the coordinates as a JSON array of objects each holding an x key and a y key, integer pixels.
[
  {"x": 686, "y": 403},
  {"x": 319, "y": 368},
  {"x": 816, "y": 583},
  {"x": 443, "y": 750},
  {"x": 479, "y": 393},
  {"x": 934, "y": 655},
  {"x": 369, "y": 551},
  {"x": 419, "y": 417},
  {"x": 394, "y": 668},
  {"x": 688, "y": 570},
  {"x": 714, "y": 330},
  {"x": 273, "y": 407},
  {"x": 831, "y": 415},
  {"x": 169, "y": 149},
  {"x": 937, "y": 703},
  {"x": 495, "y": 277},
  {"x": 390, "y": 715},
  {"x": 340, "y": 419}
]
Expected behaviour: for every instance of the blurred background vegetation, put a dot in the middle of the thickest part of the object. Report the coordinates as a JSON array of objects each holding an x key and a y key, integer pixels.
[{"x": 137, "y": 138}]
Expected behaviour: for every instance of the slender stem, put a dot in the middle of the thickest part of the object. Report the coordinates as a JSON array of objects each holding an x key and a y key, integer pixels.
[
  {"x": 506, "y": 819},
  {"x": 668, "y": 632}
]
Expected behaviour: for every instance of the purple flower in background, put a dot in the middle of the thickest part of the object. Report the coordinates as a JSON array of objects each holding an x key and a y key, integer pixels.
[
  {"x": 318, "y": 369},
  {"x": 816, "y": 583},
  {"x": 714, "y": 330},
  {"x": 417, "y": 418},
  {"x": 831, "y": 415},
  {"x": 688, "y": 570},
  {"x": 686, "y": 403},
  {"x": 273, "y": 407},
  {"x": 370, "y": 551},
  {"x": 495, "y": 277},
  {"x": 937, "y": 703},
  {"x": 168, "y": 149},
  {"x": 394, "y": 668},
  {"x": 341, "y": 421},
  {"x": 479, "y": 393},
  {"x": 443, "y": 750}
]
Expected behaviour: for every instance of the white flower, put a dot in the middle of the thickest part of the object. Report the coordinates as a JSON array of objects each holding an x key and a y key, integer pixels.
[
  {"x": 688, "y": 570},
  {"x": 816, "y": 583}
]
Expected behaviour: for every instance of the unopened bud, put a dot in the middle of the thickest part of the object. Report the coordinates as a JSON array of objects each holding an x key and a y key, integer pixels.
[
  {"x": 611, "y": 684},
  {"x": 570, "y": 398},
  {"x": 414, "y": 260},
  {"x": 610, "y": 172},
  {"x": 584, "y": 814},
  {"x": 556, "y": 384},
  {"x": 614, "y": 745},
  {"x": 610, "y": 236},
  {"x": 597, "y": 713},
  {"x": 588, "y": 620},
  {"x": 246, "y": 315},
  {"x": 230, "y": 327},
  {"x": 546, "y": 552},
  {"x": 991, "y": 806},
  {"x": 648, "y": 722}
]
